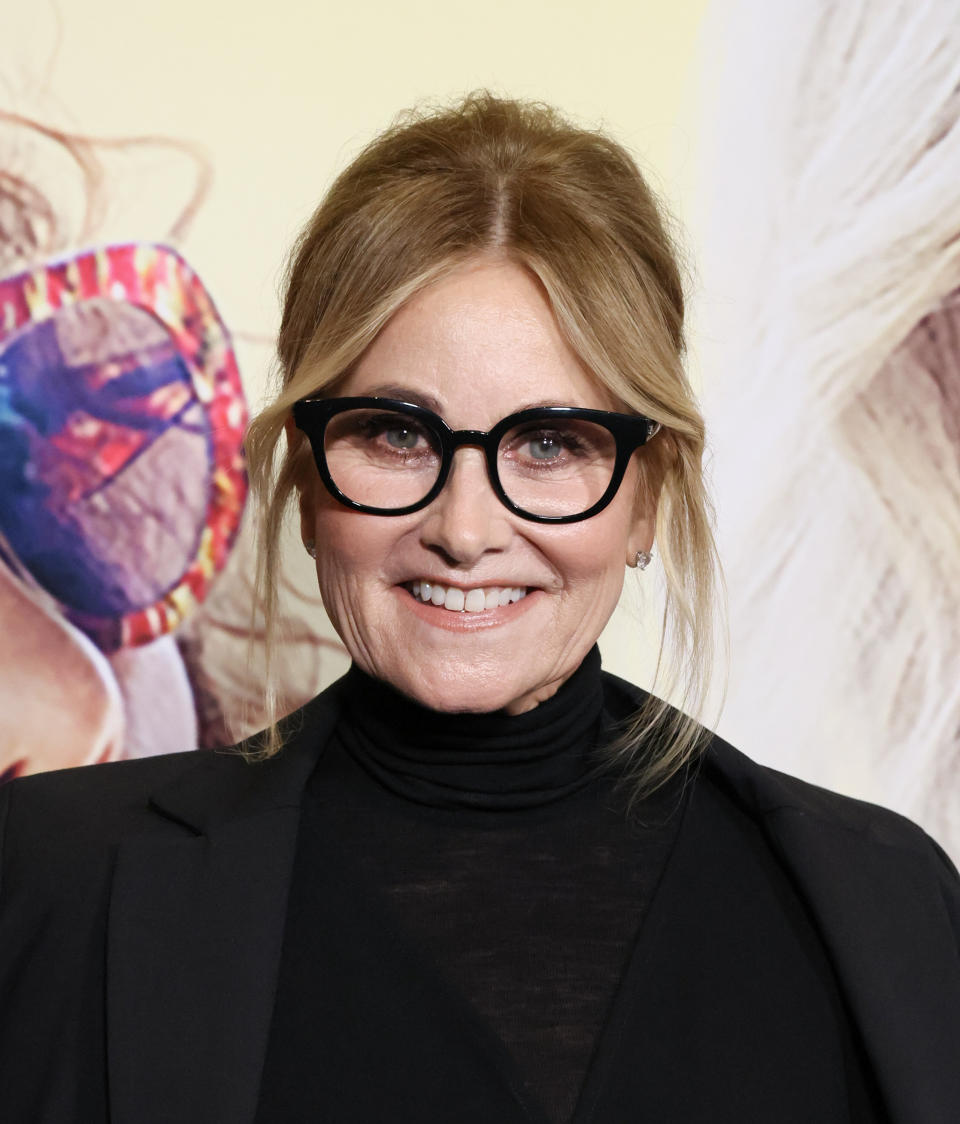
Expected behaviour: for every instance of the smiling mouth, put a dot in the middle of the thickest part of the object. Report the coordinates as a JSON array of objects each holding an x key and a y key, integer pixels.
[{"x": 465, "y": 600}]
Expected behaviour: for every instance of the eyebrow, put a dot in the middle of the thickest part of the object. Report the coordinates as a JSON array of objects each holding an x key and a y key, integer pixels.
[
  {"x": 418, "y": 398},
  {"x": 544, "y": 404},
  {"x": 405, "y": 394}
]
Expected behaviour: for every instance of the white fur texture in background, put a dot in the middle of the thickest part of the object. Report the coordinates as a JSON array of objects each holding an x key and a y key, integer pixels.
[{"x": 829, "y": 223}]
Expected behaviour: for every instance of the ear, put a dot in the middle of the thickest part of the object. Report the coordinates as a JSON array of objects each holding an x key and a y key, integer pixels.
[
  {"x": 647, "y": 496},
  {"x": 644, "y": 528},
  {"x": 642, "y": 533}
]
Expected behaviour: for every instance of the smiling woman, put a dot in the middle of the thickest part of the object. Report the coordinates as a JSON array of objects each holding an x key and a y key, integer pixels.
[
  {"x": 478, "y": 879},
  {"x": 479, "y": 342},
  {"x": 484, "y": 261}
]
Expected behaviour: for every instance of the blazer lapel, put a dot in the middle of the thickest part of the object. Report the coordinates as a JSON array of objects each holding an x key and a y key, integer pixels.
[
  {"x": 881, "y": 894},
  {"x": 195, "y": 934}
]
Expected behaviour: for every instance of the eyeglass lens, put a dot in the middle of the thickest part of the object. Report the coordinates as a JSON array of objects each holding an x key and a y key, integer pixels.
[{"x": 546, "y": 467}]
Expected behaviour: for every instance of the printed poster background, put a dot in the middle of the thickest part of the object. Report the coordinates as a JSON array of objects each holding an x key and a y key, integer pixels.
[
  {"x": 812, "y": 151},
  {"x": 828, "y": 233}
]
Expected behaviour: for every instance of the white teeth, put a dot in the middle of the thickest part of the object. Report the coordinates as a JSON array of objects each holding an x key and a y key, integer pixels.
[
  {"x": 466, "y": 601},
  {"x": 474, "y": 602}
]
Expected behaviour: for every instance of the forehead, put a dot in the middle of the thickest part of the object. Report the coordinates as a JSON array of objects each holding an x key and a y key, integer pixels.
[{"x": 480, "y": 343}]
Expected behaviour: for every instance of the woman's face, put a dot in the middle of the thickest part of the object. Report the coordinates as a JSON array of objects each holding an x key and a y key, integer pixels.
[{"x": 479, "y": 345}]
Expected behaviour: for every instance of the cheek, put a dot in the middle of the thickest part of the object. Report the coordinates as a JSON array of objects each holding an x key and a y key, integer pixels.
[
  {"x": 592, "y": 565},
  {"x": 345, "y": 539},
  {"x": 353, "y": 554},
  {"x": 599, "y": 548},
  {"x": 339, "y": 558}
]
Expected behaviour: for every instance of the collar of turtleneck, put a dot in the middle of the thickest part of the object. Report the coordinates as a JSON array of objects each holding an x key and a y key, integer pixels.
[{"x": 494, "y": 761}]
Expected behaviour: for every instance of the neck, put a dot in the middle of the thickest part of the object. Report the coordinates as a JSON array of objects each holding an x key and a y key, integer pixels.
[{"x": 496, "y": 760}]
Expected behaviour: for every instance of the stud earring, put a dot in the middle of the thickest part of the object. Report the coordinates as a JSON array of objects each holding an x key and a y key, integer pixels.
[
  {"x": 310, "y": 546},
  {"x": 643, "y": 559}
]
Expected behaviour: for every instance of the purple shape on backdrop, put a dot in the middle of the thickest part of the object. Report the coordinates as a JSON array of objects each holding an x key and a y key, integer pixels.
[{"x": 104, "y": 458}]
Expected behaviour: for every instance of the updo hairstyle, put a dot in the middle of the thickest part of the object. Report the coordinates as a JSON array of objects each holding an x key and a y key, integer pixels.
[{"x": 514, "y": 179}]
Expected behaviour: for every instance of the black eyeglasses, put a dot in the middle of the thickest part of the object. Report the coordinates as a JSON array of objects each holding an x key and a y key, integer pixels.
[{"x": 551, "y": 464}]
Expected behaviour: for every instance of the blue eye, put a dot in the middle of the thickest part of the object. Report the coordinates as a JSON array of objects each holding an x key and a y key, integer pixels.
[
  {"x": 545, "y": 447},
  {"x": 402, "y": 437}
]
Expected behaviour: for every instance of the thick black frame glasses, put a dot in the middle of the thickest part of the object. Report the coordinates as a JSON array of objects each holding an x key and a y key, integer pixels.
[{"x": 629, "y": 431}]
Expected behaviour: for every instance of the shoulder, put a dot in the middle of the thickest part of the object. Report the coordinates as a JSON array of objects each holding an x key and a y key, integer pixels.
[
  {"x": 95, "y": 798},
  {"x": 60, "y": 829},
  {"x": 804, "y": 820},
  {"x": 66, "y": 816},
  {"x": 772, "y": 794}
]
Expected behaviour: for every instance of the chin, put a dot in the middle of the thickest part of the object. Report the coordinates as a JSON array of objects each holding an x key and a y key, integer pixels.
[{"x": 461, "y": 690}]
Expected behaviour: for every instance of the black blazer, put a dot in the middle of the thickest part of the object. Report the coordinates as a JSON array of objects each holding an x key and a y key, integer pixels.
[{"x": 142, "y": 906}]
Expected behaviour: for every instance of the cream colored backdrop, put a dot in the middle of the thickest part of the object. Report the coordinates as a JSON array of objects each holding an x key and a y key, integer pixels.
[{"x": 281, "y": 95}]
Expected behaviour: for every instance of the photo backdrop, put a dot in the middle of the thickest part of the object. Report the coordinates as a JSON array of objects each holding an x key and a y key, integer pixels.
[
  {"x": 809, "y": 149},
  {"x": 828, "y": 231}
]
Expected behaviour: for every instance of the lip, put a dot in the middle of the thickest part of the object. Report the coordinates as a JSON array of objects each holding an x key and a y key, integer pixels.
[{"x": 440, "y": 617}]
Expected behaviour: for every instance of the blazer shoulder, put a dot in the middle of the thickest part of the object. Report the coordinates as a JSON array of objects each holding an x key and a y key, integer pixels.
[
  {"x": 63, "y": 826},
  {"x": 769, "y": 795},
  {"x": 99, "y": 805},
  {"x": 807, "y": 818},
  {"x": 769, "y": 792},
  {"x": 98, "y": 796}
]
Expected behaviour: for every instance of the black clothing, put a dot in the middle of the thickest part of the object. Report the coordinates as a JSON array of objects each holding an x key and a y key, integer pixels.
[
  {"x": 500, "y": 859},
  {"x": 142, "y": 910},
  {"x": 488, "y": 890}
]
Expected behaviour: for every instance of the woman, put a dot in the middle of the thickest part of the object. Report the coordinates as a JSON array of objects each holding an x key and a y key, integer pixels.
[{"x": 477, "y": 879}]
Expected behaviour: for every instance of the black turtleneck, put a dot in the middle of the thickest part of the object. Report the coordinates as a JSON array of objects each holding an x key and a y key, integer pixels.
[
  {"x": 488, "y": 762},
  {"x": 502, "y": 861},
  {"x": 468, "y": 939}
]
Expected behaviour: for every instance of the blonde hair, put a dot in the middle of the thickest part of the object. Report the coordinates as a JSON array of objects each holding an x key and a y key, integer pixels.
[{"x": 513, "y": 178}]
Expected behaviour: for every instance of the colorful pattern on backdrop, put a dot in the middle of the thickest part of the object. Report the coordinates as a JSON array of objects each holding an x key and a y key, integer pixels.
[{"x": 121, "y": 419}]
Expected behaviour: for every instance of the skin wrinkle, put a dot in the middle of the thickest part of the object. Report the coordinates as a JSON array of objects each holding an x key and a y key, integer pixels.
[{"x": 483, "y": 342}]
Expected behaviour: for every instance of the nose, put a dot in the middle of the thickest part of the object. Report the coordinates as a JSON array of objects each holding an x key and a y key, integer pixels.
[{"x": 466, "y": 520}]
